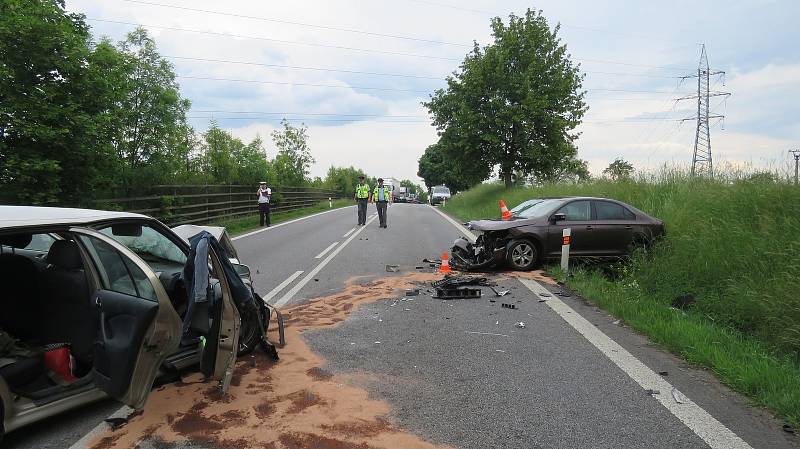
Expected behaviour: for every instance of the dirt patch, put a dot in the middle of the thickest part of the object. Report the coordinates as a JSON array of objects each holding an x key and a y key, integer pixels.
[
  {"x": 318, "y": 373},
  {"x": 536, "y": 275},
  {"x": 285, "y": 404},
  {"x": 305, "y": 440}
]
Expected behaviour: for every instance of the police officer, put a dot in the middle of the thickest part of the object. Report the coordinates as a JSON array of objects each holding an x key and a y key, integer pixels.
[
  {"x": 264, "y": 194},
  {"x": 362, "y": 197},
  {"x": 381, "y": 196}
]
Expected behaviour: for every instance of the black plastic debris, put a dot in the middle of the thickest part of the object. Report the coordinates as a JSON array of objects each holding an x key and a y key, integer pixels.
[
  {"x": 457, "y": 293},
  {"x": 432, "y": 262},
  {"x": 652, "y": 392},
  {"x": 500, "y": 293},
  {"x": 663, "y": 373},
  {"x": 412, "y": 292},
  {"x": 788, "y": 429},
  {"x": 508, "y": 306},
  {"x": 460, "y": 281}
]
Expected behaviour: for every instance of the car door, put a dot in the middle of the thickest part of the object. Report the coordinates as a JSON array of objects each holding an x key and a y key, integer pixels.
[
  {"x": 614, "y": 228},
  {"x": 578, "y": 217},
  {"x": 219, "y": 360},
  {"x": 138, "y": 326}
]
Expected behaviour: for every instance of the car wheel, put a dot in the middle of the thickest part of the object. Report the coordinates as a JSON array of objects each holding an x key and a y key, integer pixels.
[
  {"x": 2, "y": 420},
  {"x": 522, "y": 255}
]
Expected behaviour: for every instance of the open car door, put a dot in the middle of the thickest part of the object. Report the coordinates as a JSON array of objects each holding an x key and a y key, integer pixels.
[
  {"x": 138, "y": 327},
  {"x": 218, "y": 358}
]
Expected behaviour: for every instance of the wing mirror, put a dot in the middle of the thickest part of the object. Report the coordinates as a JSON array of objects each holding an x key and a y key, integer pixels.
[
  {"x": 558, "y": 217},
  {"x": 242, "y": 270}
]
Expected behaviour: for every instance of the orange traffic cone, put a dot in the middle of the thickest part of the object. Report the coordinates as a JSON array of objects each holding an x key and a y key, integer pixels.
[
  {"x": 445, "y": 266},
  {"x": 504, "y": 210}
]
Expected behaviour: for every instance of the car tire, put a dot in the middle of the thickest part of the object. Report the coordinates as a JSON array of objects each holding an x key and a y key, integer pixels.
[
  {"x": 2, "y": 420},
  {"x": 522, "y": 255}
]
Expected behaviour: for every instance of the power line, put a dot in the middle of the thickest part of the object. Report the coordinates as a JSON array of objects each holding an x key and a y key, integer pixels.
[
  {"x": 356, "y": 49},
  {"x": 218, "y": 111},
  {"x": 303, "y": 24},
  {"x": 391, "y": 89},
  {"x": 282, "y": 41}
]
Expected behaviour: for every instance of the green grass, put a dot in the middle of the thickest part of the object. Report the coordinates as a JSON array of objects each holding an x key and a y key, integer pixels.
[
  {"x": 732, "y": 243},
  {"x": 247, "y": 223}
]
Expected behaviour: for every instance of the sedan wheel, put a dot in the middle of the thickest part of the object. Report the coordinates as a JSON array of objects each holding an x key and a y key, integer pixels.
[{"x": 521, "y": 255}]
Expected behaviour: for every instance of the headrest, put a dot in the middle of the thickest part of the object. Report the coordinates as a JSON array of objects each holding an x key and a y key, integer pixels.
[
  {"x": 16, "y": 240},
  {"x": 65, "y": 254}
]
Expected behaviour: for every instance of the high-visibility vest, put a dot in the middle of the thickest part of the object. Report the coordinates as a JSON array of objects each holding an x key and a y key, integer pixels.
[
  {"x": 362, "y": 191},
  {"x": 386, "y": 193}
]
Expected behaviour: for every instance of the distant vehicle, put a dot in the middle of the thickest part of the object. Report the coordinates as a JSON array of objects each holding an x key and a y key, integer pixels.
[
  {"x": 600, "y": 227},
  {"x": 401, "y": 195},
  {"x": 106, "y": 290},
  {"x": 393, "y": 184},
  {"x": 439, "y": 194}
]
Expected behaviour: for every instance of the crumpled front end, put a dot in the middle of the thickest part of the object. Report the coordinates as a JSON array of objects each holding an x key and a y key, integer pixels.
[{"x": 488, "y": 250}]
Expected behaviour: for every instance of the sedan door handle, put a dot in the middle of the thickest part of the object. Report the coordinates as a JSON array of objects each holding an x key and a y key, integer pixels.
[
  {"x": 589, "y": 228},
  {"x": 628, "y": 227}
]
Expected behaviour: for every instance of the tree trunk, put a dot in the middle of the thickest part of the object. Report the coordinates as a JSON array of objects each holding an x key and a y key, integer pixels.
[{"x": 507, "y": 178}]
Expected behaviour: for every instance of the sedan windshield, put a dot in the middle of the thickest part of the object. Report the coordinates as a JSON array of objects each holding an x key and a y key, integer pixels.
[
  {"x": 540, "y": 209},
  {"x": 524, "y": 206}
]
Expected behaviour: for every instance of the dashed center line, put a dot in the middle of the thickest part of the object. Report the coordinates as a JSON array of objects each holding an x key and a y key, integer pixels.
[
  {"x": 348, "y": 233},
  {"x": 319, "y": 256}
]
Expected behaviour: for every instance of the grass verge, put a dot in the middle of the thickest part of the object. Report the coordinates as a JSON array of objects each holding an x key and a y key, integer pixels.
[
  {"x": 248, "y": 223},
  {"x": 731, "y": 243}
]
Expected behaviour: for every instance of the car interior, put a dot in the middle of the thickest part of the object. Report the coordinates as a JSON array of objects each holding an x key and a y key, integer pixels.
[{"x": 45, "y": 303}]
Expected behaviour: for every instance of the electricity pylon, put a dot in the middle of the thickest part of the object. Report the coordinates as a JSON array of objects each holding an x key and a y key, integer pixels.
[{"x": 702, "y": 162}]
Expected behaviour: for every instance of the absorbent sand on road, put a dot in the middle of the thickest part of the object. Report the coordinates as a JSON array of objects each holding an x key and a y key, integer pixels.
[{"x": 292, "y": 403}]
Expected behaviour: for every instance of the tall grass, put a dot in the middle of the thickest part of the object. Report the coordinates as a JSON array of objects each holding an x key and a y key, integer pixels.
[{"x": 732, "y": 242}]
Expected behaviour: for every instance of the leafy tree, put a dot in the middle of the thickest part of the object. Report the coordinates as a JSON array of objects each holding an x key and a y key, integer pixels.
[
  {"x": 220, "y": 147},
  {"x": 293, "y": 162},
  {"x": 54, "y": 99},
  {"x": 252, "y": 165},
  {"x": 438, "y": 167},
  {"x": 513, "y": 104},
  {"x": 619, "y": 169},
  {"x": 151, "y": 118},
  {"x": 343, "y": 179}
]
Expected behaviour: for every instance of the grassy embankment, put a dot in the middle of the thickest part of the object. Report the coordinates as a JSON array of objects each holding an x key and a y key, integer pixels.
[
  {"x": 733, "y": 244},
  {"x": 247, "y": 223}
]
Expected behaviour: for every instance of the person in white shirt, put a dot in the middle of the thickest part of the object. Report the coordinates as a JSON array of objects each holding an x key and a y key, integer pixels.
[{"x": 264, "y": 193}]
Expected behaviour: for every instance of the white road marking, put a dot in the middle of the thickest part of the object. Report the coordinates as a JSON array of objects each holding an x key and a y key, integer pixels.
[
  {"x": 290, "y": 294},
  {"x": 281, "y": 286},
  {"x": 348, "y": 233},
  {"x": 101, "y": 428},
  {"x": 488, "y": 333},
  {"x": 289, "y": 222},
  {"x": 713, "y": 432},
  {"x": 458, "y": 225},
  {"x": 319, "y": 256}
]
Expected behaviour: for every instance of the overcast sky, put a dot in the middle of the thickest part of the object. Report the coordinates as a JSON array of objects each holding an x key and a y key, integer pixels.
[{"x": 355, "y": 71}]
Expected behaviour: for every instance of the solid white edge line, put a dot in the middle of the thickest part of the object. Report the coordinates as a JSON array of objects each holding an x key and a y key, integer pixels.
[
  {"x": 281, "y": 286},
  {"x": 290, "y": 294},
  {"x": 319, "y": 256},
  {"x": 348, "y": 233},
  {"x": 458, "y": 225},
  {"x": 289, "y": 222},
  {"x": 713, "y": 432}
]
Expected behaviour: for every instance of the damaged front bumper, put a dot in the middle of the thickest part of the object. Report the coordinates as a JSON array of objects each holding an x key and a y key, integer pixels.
[{"x": 482, "y": 254}]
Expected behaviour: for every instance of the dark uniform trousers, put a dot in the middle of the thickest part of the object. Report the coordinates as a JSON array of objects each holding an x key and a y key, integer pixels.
[
  {"x": 362, "y": 211},
  {"x": 381, "y": 205}
]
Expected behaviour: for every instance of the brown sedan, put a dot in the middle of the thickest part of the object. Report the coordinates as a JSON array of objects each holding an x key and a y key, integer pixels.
[{"x": 600, "y": 227}]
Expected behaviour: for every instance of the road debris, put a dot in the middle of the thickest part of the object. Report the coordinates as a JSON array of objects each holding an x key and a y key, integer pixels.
[
  {"x": 663, "y": 373},
  {"x": 652, "y": 392},
  {"x": 788, "y": 429},
  {"x": 508, "y": 306},
  {"x": 451, "y": 281},
  {"x": 412, "y": 292},
  {"x": 487, "y": 333},
  {"x": 678, "y": 396},
  {"x": 499, "y": 350},
  {"x": 545, "y": 295},
  {"x": 392, "y": 268},
  {"x": 457, "y": 293},
  {"x": 520, "y": 325},
  {"x": 543, "y": 300},
  {"x": 617, "y": 322},
  {"x": 499, "y": 294}
]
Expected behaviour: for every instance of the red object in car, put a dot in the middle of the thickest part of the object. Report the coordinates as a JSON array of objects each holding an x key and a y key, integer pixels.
[{"x": 58, "y": 361}]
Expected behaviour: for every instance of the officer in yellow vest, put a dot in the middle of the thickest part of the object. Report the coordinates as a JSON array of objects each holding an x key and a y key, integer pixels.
[
  {"x": 362, "y": 197},
  {"x": 381, "y": 196}
]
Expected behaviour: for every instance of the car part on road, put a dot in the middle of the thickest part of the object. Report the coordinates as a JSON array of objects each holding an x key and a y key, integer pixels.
[
  {"x": 412, "y": 292},
  {"x": 461, "y": 281},
  {"x": 500, "y": 294},
  {"x": 457, "y": 293},
  {"x": 520, "y": 325},
  {"x": 392, "y": 268},
  {"x": 678, "y": 396},
  {"x": 431, "y": 262},
  {"x": 508, "y": 306},
  {"x": 788, "y": 429},
  {"x": 652, "y": 392}
]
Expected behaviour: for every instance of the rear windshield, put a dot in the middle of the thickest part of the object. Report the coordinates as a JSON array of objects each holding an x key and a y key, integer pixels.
[{"x": 444, "y": 190}]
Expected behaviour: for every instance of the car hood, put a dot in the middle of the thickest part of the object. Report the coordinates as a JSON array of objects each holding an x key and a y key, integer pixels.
[{"x": 500, "y": 225}]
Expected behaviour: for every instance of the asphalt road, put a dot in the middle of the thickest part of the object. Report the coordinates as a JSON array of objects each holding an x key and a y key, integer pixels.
[{"x": 460, "y": 372}]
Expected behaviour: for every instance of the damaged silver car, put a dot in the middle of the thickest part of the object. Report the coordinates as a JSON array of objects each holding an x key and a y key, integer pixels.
[{"x": 600, "y": 227}]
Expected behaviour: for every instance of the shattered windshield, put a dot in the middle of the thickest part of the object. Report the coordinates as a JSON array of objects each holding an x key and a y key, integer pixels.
[
  {"x": 540, "y": 209},
  {"x": 149, "y": 244}
]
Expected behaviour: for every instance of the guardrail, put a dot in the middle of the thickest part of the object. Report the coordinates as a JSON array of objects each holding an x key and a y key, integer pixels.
[{"x": 198, "y": 204}]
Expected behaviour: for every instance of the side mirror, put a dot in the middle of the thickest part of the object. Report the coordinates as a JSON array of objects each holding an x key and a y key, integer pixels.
[
  {"x": 558, "y": 217},
  {"x": 242, "y": 270}
]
